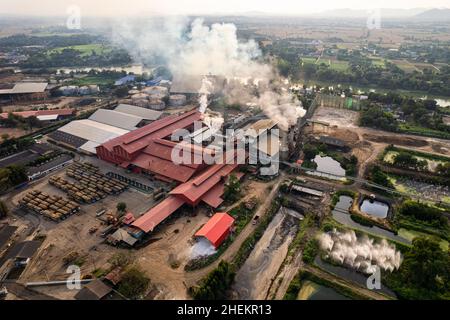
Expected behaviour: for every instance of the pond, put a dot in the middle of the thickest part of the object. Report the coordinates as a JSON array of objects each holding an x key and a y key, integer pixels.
[
  {"x": 329, "y": 166},
  {"x": 375, "y": 208},
  {"x": 349, "y": 275},
  {"x": 313, "y": 291},
  {"x": 341, "y": 214}
]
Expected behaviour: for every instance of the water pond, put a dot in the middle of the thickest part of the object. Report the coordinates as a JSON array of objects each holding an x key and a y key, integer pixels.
[{"x": 375, "y": 208}]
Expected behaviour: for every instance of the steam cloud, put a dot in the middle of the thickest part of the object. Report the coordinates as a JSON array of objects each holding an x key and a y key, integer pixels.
[
  {"x": 202, "y": 248},
  {"x": 363, "y": 254},
  {"x": 196, "y": 49}
]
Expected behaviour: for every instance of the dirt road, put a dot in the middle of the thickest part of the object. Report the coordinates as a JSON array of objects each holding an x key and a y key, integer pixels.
[{"x": 254, "y": 278}]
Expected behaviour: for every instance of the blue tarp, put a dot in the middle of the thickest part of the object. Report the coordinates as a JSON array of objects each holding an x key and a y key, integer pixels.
[{"x": 124, "y": 80}]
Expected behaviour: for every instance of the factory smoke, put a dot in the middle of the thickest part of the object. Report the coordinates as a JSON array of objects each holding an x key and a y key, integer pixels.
[
  {"x": 204, "y": 92},
  {"x": 202, "y": 248},
  {"x": 193, "y": 49},
  {"x": 360, "y": 253}
]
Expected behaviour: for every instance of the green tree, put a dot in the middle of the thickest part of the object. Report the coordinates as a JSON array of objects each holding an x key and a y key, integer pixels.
[
  {"x": 424, "y": 273},
  {"x": 5, "y": 137},
  {"x": 232, "y": 189},
  {"x": 121, "y": 92},
  {"x": 121, "y": 206},
  {"x": 134, "y": 283},
  {"x": 444, "y": 169},
  {"x": 216, "y": 283},
  {"x": 379, "y": 177},
  {"x": 408, "y": 161},
  {"x": 3, "y": 209}
]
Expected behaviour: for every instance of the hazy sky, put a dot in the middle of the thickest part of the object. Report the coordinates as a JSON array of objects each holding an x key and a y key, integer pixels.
[{"x": 131, "y": 7}]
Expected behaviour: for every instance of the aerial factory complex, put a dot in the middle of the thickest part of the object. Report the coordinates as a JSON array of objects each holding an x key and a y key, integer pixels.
[{"x": 247, "y": 157}]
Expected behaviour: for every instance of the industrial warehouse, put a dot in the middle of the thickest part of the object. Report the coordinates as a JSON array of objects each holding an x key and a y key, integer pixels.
[
  {"x": 85, "y": 135},
  {"x": 24, "y": 91},
  {"x": 146, "y": 151}
]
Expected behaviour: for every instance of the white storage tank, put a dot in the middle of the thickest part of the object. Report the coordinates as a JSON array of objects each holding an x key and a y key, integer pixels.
[
  {"x": 156, "y": 104},
  {"x": 156, "y": 90},
  {"x": 177, "y": 100},
  {"x": 143, "y": 103}
]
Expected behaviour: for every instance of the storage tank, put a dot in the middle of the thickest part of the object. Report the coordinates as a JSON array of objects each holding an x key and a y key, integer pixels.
[
  {"x": 177, "y": 100},
  {"x": 156, "y": 90},
  {"x": 156, "y": 104},
  {"x": 143, "y": 103},
  {"x": 139, "y": 96},
  {"x": 133, "y": 92}
]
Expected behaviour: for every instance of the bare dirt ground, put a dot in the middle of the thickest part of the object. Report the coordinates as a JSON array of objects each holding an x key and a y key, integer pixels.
[
  {"x": 54, "y": 103},
  {"x": 157, "y": 257},
  {"x": 254, "y": 278},
  {"x": 72, "y": 235},
  {"x": 14, "y": 132},
  {"x": 367, "y": 143}
]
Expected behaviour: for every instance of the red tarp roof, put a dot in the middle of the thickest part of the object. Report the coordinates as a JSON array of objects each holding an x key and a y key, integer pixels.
[
  {"x": 216, "y": 228},
  {"x": 158, "y": 213}
]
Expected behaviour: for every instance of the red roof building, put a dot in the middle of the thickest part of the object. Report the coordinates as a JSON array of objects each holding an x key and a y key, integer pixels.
[
  {"x": 217, "y": 229},
  {"x": 149, "y": 149},
  {"x": 145, "y": 149}
]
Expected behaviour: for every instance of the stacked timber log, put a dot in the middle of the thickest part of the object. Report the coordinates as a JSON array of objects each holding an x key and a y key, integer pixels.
[{"x": 52, "y": 207}]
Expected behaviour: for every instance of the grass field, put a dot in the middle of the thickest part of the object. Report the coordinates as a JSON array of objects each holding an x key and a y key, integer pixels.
[
  {"x": 421, "y": 131},
  {"x": 379, "y": 62},
  {"x": 411, "y": 234},
  {"x": 334, "y": 64},
  {"x": 85, "y": 49},
  {"x": 432, "y": 163},
  {"x": 98, "y": 80},
  {"x": 405, "y": 65},
  {"x": 338, "y": 65},
  {"x": 308, "y": 60}
]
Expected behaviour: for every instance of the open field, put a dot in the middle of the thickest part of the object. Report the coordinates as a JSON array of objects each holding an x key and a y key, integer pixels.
[
  {"x": 411, "y": 234},
  {"x": 85, "y": 49}
]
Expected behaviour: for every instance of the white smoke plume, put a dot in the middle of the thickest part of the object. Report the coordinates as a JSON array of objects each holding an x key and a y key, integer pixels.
[
  {"x": 204, "y": 92},
  {"x": 363, "y": 253},
  {"x": 194, "y": 49},
  {"x": 202, "y": 248}
]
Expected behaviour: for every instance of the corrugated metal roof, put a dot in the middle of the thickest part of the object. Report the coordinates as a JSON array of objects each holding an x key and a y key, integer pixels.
[
  {"x": 147, "y": 114},
  {"x": 158, "y": 213},
  {"x": 257, "y": 128},
  {"x": 29, "y": 87},
  {"x": 94, "y": 290},
  {"x": 116, "y": 119},
  {"x": 216, "y": 229},
  {"x": 195, "y": 189},
  {"x": 92, "y": 130},
  {"x": 89, "y": 147},
  {"x": 140, "y": 138}
]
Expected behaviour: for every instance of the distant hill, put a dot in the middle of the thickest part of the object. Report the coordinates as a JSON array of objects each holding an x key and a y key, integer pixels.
[
  {"x": 384, "y": 12},
  {"x": 434, "y": 15}
]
